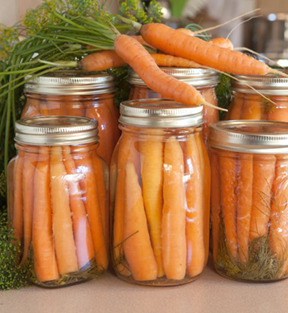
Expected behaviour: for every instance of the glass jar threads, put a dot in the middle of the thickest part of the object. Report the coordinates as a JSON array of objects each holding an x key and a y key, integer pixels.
[
  {"x": 249, "y": 105},
  {"x": 58, "y": 200},
  {"x": 75, "y": 93},
  {"x": 203, "y": 80},
  {"x": 160, "y": 194},
  {"x": 249, "y": 161}
]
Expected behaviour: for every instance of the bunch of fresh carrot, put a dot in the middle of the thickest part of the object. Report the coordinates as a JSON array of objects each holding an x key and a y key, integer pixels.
[
  {"x": 249, "y": 197},
  {"x": 160, "y": 197},
  {"x": 59, "y": 210}
]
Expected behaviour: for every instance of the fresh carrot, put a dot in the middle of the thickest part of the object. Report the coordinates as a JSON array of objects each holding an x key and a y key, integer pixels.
[
  {"x": 172, "y": 61},
  {"x": 279, "y": 214},
  {"x": 127, "y": 153},
  {"x": 30, "y": 163},
  {"x": 264, "y": 173},
  {"x": 244, "y": 203},
  {"x": 62, "y": 223},
  {"x": 17, "y": 222},
  {"x": 206, "y": 174},
  {"x": 151, "y": 149},
  {"x": 236, "y": 110},
  {"x": 252, "y": 108},
  {"x": 222, "y": 42},
  {"x": 188, "y": 47},
  {"x": 227, "y": 171},
  {"x": 195, "y": 209},
  {"x": 215, "y": 203},
  {"x": 43, "y": 246},
  {"x": 88, "y": 185},
  {"x": 174, "y": 246},
  {"x": 142, "y": 41},
  {"x": 137, "y": 246},
  {"x": 140, "y": 60},
  {"x": 82, "y": 232}
]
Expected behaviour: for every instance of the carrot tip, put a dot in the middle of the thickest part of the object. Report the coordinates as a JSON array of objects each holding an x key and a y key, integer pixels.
[{"x": 214, "y": 106}]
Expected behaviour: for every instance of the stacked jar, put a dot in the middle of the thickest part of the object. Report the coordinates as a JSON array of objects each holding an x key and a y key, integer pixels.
[
  {"x": 160, "y": 194},
  {"x": 247, "y": 104},
  {"x": 203, "y": 80},
  {"x": 57, "y": 200},
  {"x": 249, "y": 161},
  {"x": 75, "y": 93}
]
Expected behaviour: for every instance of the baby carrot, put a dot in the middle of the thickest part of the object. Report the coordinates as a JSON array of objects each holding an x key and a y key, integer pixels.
[
  {"x": 88, "y": 185},
  {"x": 82, "y": 232},
  {"x": 151, "y": 149},
  {"x": 137, "y": 246},
  {"x": 236, "y": 108},
  {"x": 174, "y": 215},
  {"x": 30, "y": 163},
  {"x": 227, "y": 171},
  {"x": 195, "y": 206},
  {"x": 244, "y": 203},
  {"x": 264, "y": 173},
  {"x": 43, "y": 246},
  {"x": 62, "y": 223},
  {"x": 252, "y": 108}
]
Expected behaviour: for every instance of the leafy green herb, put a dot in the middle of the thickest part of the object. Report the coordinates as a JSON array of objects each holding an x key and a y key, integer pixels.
[{"x": 223, "y": 93}]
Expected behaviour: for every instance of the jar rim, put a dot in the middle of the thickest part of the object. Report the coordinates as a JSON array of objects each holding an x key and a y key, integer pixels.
[
  {"x": 56, "y": 131},
  {"x": 249, "y": 136},
  {"x": 160, "y": 113}
]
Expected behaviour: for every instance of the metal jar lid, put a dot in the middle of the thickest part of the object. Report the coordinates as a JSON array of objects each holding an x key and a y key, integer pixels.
[
  {"x": 160, "y": 113},
  {"x": 56, "y": 131},
  {"x": 197, "y": 77},
  {"x": 250, "y": 136},
  {"x": 70, "y": 83},
  {"x": 270, "y": 84}
]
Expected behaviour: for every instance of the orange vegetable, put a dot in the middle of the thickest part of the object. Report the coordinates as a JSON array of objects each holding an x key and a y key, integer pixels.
[
  {"x": 252, "y": 108},
  {"x": 137, "y": 246},
  {"x": 62, "y": 222},
  {"x": 236, "y": 110},
  {"x": 174, "y": 215},
  {"x": 222, "y": 42},
  {"x": 43, "y": 246}
]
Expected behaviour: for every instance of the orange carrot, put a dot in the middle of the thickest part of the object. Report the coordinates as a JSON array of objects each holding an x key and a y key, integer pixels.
[
  {"x": 139, "y": 59},
  {"x": 222, "y": 42},
  {"x": 43, "y": 245},
  {"x": 227, "y": 171},
  {"x": 82, "y": 232},
  {"x": 30, "y": 163},
  {"x": 88, "y": 185},
  {"x": 74, "y": 105},
  {"x": 172, "y": 61},
  {"x": 17, "y": 222},
  {"x": 236, "y": 110},
  {"x": 264, "y": 173},
  {"x": 195, "y": 206},
  {"x": 206, "y": 174},
  {"x": 137, "y": 246},
  {"x": 151, "y": 149},
  {"x": 280, "y": 111},
  {"x": 142, "y": 41},
  {"x": 127, "y": 153},
  {"x": 188, "y": 47},
  {"x": 244, "y": 203},
  {"x": 252, "y": 108},
  {"x": 215, "y": 203},
  {"x": 62, "y": 223},
  {"x": 173, "y": 220}
]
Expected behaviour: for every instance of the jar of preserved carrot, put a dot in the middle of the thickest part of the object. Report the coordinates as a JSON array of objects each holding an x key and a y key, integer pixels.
[
  {"x": 203, "y": 80},
  {"x": 58, "y": 200},
  {"x": 76, "y": 93},
  {"x": 160, "y": 194},
  {"x": 249, "y": 105},
  {"x": 249, "y": 162}
]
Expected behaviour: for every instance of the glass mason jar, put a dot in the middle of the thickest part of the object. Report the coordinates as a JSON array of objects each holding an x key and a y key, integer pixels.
[
  {"x": 58, "y": 200},
  {"x": 76, "y": 93},
  {"x": 160, "y": 194},
  {"x": 203, "y": 80},
  {"x": 249, "y": 105},
  {"x": 249, "y": 165}
]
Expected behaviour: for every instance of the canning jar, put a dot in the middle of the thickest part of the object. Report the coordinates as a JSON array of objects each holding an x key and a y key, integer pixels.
[
  {"x": 247, "y": 104},
  {"x": 76, "y": 93},
  {"x": 58, "y": 203},
  {"x": 203, "y": 80},
  {"x": 249, "y": 165},
  {"x": 160, "y": 194}
]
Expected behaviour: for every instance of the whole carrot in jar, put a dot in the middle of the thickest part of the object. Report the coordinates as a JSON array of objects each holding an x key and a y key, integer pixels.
[
  {"x": 56, "y": 208},
  {"x": 249, "y": 199},
  {"x": 203, "y": 80},
  {"x": 160, "y": 195},
  {"x": 76, "y": 93}
]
